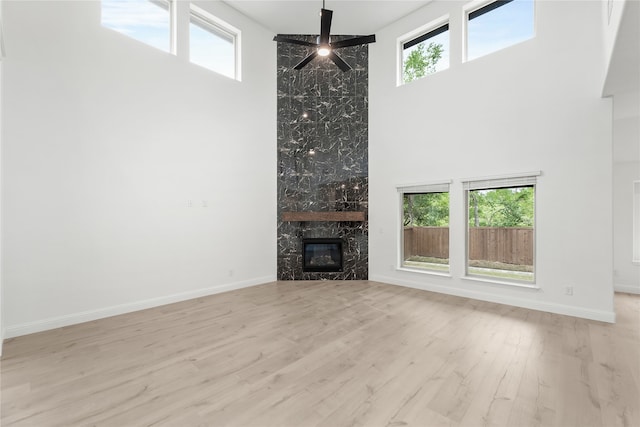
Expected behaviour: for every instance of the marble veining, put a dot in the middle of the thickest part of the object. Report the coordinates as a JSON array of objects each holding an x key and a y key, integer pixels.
[{"x": 322, "y": 155}]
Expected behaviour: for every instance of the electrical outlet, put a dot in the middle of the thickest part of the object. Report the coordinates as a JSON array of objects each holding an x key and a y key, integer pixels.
[{"x": 568, "y": 290}]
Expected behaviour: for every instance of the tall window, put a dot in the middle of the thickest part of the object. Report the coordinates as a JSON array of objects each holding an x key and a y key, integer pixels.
[
  {"x": 498, "y": 25},
  {"x": 501, "y": 228},
  {"x": 148, "y": 21},
  {"x": 212, "y": 43},
  {"x": 425, "y": 227},
  {"x": 426, "y": 53}
]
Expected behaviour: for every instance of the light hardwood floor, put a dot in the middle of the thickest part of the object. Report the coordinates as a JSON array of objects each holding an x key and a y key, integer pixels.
[{"x": 328, "y": 354}]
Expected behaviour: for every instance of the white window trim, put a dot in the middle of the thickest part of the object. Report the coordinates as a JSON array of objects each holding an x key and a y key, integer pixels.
[
  {"x": 430, "y": 187},
  {"x": 171, "y": 8},
  {"x": 636, "y": 223},
  {"x": 512, "y": 177},
  {"x": 498, "y": 181},
  {"x": 505, "y": 282},
  {"x": 472, "y": 7},
  {"x": 224, "y": 27},
  {"x": 173, "y": 28},
  {"x": 173, "y": 24},
  {"x": 400, "y": 41},
  {"x": 2, "y": 51},
  {"x": 466, "y": 10}
]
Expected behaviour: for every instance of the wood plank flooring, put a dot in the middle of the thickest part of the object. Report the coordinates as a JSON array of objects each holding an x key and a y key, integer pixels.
[{"x": 328, "y": 353}]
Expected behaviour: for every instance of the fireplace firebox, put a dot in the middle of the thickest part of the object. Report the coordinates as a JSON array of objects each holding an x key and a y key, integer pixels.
[{"x": 322, "y": 255}]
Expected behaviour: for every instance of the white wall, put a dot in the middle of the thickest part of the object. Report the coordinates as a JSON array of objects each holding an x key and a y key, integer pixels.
[
  {"x": 104, "y": 141},
  {"x": 533, "y": 106},
  {"x": 2, "y": 332},
  {"x": 622, "y": 83},
  {"x": 626, "y": 170}
]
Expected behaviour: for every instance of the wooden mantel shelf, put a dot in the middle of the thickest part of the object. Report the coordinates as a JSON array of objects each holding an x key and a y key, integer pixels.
[{"x": 322, "y": 216}]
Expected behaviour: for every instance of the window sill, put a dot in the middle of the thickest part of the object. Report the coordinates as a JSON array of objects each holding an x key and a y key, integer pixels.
[
  {"x": 424, "y": 271},
  {"x": 502, "y": 282}
]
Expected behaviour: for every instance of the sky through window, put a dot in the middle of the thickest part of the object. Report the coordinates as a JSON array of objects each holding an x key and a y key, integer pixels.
[{"x": 501, "y": 27}]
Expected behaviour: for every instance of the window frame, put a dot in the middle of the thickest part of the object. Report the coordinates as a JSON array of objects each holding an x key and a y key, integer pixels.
[
  {"x": 476, "y": 6},
  {"x": 411, "y": 36},
  {"x": 168, "y": 5},
  {"x": 2, "y": 49},
  {"x": 635, "y": 257},
  {"x": 211, "y": 23},
  {"x": 432, "y": 187},
  {"x": 497, "y": 182}
]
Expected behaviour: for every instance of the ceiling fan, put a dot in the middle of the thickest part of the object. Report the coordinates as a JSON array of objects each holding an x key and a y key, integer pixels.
[{"x": 324, "y": 45}]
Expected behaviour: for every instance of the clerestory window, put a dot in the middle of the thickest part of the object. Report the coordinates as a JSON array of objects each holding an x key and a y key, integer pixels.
[
  {"x": 425, "y": 53},
  {"x": 148, "y": 21},
  {"x": 213, "y": 43},
  {"x": 498, "y": 25}
]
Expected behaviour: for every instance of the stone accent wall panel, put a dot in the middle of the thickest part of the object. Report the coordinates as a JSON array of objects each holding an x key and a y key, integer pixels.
[{"x": 322, "y": 155}]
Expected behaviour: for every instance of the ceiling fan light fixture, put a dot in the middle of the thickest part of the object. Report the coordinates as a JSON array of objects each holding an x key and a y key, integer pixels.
[
  {"x": 324, "y": 46},
  {"x": 324, "y": 50}
]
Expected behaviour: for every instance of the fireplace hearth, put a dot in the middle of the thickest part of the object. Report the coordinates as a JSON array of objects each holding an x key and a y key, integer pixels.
[{"x": 322, "y": 255}]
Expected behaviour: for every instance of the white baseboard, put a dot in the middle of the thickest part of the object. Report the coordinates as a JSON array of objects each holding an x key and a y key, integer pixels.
[
  {"x": 101, "y": 313},
  {"x": 599, "y": 315},
  {"x": 626, "y": 289}
]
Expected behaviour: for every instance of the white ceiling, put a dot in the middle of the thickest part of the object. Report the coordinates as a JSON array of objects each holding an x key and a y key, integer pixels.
[{"x": 359, "y": 17}]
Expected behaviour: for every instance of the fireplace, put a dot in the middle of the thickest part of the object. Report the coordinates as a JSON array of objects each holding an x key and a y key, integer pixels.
[{"x": 324, "y": 254}]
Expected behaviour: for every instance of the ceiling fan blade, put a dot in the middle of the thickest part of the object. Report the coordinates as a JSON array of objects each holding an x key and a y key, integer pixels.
[
  {"x": 339, "y": 61},
  {"x": 293, "y": 41},
  {"x": 325, "y": 25},
  {"x": 306, "y": 60},
  {"x": 354, "y": 41}
]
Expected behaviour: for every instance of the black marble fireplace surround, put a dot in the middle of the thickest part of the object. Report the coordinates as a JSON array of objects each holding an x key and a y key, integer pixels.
[{"x": 322, "y": 157}]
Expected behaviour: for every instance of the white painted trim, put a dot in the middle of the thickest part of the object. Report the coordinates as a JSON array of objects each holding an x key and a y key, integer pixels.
[
  {"x": 502, "y": 282},
  {"x": 477, "y": 4},
  {"x": 101, "y": 313},
  {"x": 425, "y": 271},
  {"x": 635, "y": 236},
  {"x": 567, "y": 310},
  {"x": 2, "y": 50},
  {"x": 425, "y": 187},
  {"x": 424, "y": 29},
  {"x": 2, "y": 55},
  {"x": 506, "y": 176},
  {"x": 225, "y": 27},
  {"x": 627, "y": 289}
]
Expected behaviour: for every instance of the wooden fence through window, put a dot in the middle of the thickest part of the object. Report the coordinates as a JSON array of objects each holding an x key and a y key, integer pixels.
[{"x": 511, "y": 245}]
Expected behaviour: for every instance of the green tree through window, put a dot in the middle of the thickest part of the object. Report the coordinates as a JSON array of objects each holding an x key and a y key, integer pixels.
[
  {"x": 426, "y": 210},
  {"x": 501, "y": 232},
  {"x": 502, "y": 207},
  {"x": 426, "y": 230},
  {"x": 421, "y": 61}
]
